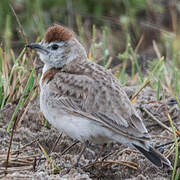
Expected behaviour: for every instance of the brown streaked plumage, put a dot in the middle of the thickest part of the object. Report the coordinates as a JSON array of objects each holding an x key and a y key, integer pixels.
[
  {"x": 86, "y": 101},
  {"x": 101, "y": 96}
]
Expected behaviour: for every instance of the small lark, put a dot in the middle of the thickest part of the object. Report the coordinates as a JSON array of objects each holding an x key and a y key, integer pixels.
[{"x": 84, "y": 100}]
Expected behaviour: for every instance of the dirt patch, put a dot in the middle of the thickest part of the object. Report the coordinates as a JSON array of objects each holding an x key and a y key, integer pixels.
[{"x": 28, "y": 162}]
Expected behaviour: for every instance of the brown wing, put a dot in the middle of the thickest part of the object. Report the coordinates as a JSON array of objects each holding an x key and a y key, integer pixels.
[{"x": 98, "y": 95}]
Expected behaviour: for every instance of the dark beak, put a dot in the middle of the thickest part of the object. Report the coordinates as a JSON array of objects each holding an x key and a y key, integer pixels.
[
  {"x": 34, "y": 46},
  {"x": 37, "y": 47}
]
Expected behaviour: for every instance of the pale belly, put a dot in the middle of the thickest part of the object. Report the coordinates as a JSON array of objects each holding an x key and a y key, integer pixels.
[{"x": 80, "y": 128}]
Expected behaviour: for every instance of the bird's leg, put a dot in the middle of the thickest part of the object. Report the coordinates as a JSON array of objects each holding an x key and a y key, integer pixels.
[
  {"x": 101, "y": 151},
  {"x": 81, "y": 153}
]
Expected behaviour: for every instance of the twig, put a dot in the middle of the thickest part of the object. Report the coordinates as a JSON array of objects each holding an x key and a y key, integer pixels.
[
  {"x": 139, "y": 43},
  {"x": 105, "y": 157},
  {"x": 100, "y": 152},
  {"x": 55, "y": 144},
  {"x": 34, "y": 164},
  {"x": 157, "y": 120},
  {"x": 118, "y": 151},
  {"x": 126, "y": 163},
  {"x": 165, "y": 144},
  {"x": 67, "y": 149},
  {"x": 137, "y": 93},
  {"x": 26, "y": 108},
  {"x": 12, "y": 170},
  {"x": 10, "y": 143},
  {"x": 156, "y": 49},
  {"x": 22, "y": 32},
  {"x": 172, "y": 148},
  {"x": 13, "y": 153}
]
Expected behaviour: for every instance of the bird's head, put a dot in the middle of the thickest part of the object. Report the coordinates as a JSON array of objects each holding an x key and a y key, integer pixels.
[{"x": 58, "y": 47}]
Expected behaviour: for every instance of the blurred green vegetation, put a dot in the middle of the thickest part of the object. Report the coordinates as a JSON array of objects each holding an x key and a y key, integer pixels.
[{"x": 36, "y": 15}]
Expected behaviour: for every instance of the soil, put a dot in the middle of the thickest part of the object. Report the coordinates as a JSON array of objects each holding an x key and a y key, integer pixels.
[{"x": 31, "y": 156}]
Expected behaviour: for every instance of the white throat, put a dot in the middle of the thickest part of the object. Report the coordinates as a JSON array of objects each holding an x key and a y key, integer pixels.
[{"x": 45, "y": 68}]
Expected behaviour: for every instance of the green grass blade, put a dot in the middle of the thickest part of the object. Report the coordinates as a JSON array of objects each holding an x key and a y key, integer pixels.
[
  {"x": 137, "y": 64},
  {"x": 10, "y": 78},
  {"x": 177, "y": 174},
  {"x": 159, "y": 87},
  {"x": 177, "y": 100},
  {"x": 176, "y": 147},
  {"x": 176, "y": 83},
  {"x": 105, "y": 50},
  {"x": 93, "y": 47},
  {"x": 27, "y": 89}
]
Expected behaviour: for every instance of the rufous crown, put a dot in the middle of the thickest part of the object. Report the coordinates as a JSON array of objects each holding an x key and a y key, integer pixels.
[{"x": 57, "y": 33}]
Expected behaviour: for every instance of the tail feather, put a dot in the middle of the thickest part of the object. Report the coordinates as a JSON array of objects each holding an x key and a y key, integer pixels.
[{"x": 154, "y": 156}]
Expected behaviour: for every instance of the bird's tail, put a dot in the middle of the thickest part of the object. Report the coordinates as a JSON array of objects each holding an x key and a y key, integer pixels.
[{"x": 154, "y": 156}]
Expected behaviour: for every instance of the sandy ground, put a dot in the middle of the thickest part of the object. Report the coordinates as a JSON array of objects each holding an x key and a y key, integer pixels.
[{"x": 27, "y": 161}]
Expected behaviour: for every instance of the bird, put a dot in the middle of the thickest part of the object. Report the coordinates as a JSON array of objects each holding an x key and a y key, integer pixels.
[{"x": 86, "y": 101}]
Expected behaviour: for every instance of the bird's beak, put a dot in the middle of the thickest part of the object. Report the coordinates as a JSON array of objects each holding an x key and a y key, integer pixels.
[{"x": 38, "y": 47}]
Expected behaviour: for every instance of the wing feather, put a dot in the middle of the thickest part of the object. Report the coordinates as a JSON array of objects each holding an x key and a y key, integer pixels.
[{"x": 101, "y": 99}]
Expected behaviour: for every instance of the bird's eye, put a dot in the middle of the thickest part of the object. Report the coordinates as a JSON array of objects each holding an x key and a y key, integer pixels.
[{"x": 54, "y": 46}]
